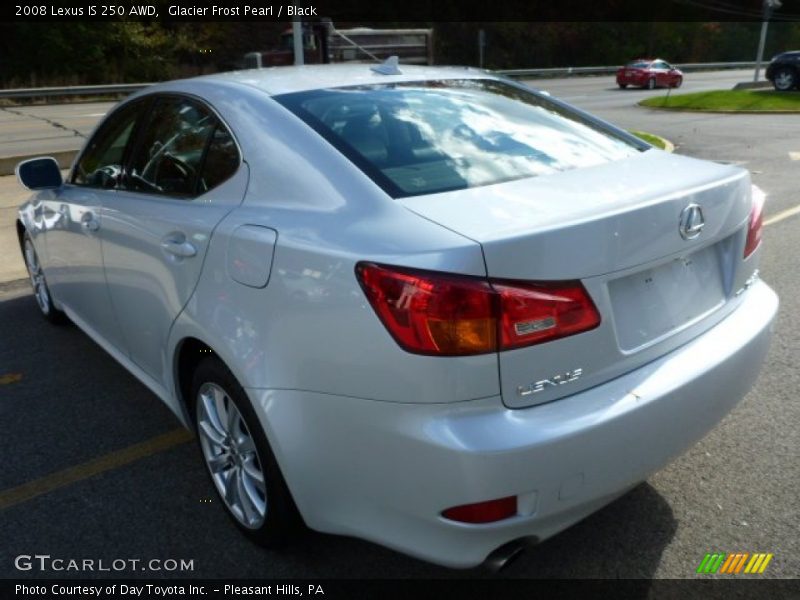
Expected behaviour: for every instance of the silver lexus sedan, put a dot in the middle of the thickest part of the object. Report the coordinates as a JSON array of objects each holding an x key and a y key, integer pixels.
[{"x": 427, "y": 307}]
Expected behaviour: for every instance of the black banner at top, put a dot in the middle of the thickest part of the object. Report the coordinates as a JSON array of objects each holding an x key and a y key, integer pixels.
[{"x": 394, "y": 10}]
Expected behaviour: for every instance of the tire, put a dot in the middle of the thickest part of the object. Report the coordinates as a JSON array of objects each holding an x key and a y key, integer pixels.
[
  {"x": 784, "y": 79},
  {"x": 678, "y": 82},
  {"x": 238, "y": 458},
  {"x": 651, "y": 83},
  {"x": 41, "y": 292},
  {"x": 622, "y": 86}
]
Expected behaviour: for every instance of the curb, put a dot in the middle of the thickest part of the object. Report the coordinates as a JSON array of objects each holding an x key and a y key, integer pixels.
[
  {"x": 13, "y": 287},
  {"x": 64, "y": 159},
  {"x": 752, "y": 85},
  {"x": 668, "y": 146}
]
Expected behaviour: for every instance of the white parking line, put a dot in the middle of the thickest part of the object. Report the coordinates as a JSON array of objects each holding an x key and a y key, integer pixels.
[
  {"x": 794, "y": 155},
  {"x": 789, "y": 212}
]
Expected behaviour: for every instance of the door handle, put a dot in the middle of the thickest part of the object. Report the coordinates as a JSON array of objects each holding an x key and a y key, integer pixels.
[
  {"x": 179, "y": 248},
  {"x": 89, "y": 223}
]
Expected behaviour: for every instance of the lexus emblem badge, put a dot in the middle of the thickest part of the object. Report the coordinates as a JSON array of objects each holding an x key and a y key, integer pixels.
[{"x": 692, "y": 222}]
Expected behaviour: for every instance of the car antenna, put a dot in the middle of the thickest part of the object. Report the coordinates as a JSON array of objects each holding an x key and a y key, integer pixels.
[{"x": 391, "y": 66}]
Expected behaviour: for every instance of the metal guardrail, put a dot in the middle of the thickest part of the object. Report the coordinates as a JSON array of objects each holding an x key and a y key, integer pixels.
[
  {"x": 567, "y": 71},
  {"x": 127, "y": 88},
  {"x": 74, "y": 90}
]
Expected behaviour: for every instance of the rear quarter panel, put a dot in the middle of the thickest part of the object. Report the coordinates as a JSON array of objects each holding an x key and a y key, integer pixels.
[{"x": 311, "y": 328}]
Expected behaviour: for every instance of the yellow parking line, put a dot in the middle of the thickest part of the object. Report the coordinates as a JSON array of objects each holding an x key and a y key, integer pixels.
[
  {"x": 782, "y": 215},
  {"x": 101, "y": 464},
  {"x": 10, "y": 378}
]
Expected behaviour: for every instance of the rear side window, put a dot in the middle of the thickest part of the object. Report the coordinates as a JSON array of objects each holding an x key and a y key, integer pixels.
[
  {"x": 222, "y": 159},
  {"x": 435, "y": 136},
  {"x": 100, "y": 164},
  {"x": 183, "y": 151}
]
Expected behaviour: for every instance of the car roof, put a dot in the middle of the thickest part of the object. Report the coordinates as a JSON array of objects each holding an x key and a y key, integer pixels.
[{"x": 285, "y": 80}]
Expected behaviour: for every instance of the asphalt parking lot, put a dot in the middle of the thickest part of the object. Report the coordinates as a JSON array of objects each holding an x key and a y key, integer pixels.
[{"x": 96, "y": 469}]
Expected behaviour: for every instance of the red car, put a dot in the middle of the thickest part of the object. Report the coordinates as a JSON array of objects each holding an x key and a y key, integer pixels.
[{"x": 649, "y": 73}]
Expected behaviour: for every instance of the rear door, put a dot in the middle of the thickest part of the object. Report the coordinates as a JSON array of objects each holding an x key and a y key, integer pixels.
[{"x": 184, "y": 175}]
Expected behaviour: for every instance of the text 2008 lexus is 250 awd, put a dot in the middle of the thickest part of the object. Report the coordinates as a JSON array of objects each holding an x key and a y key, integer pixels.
[{"x": 426, "y": 307}]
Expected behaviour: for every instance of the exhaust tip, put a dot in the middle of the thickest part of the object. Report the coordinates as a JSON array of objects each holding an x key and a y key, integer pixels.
[{"x": 503, "y": 556}]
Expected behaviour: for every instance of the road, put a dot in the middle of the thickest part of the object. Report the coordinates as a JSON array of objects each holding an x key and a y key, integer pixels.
[
  {"x": 600, "y": 92},
  {"x": 43, "y": 129},
  {"x": 64, "y": 403},
  {"x": 768, "y": 145},
  {"x": 35, "y": 130}
]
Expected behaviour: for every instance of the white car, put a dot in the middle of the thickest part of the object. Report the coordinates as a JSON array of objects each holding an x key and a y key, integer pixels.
[{"x": 427, "y": 307}]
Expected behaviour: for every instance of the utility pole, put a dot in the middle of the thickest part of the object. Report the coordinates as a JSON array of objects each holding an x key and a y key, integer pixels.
[
  {"x": 769, "y": 6},
  {"x": 481, "y": 46},
  {"x": 297, "y": 36}
]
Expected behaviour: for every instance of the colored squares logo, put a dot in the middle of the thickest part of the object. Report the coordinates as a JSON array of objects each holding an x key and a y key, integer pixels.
[{"x": 735, "y": 563}]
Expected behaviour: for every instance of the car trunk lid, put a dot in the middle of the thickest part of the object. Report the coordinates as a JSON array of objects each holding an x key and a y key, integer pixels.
[{"x": 615, "y": 227}]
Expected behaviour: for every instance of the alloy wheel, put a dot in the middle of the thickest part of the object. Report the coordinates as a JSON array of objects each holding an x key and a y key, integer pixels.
[
  {"x": 38, "y": 282},
  {"x": 231, "y": 456}
]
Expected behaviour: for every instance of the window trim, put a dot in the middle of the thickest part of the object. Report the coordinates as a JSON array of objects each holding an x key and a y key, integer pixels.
[
  {"x": 147, "y": 105},
  {"x": 157, "y": 98},
  {"x": 152, "y": 99}
]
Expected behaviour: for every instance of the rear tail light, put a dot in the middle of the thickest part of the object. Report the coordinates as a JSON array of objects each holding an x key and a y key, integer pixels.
[
  {"x": 432, "y": 313},
  {"x": 454, "y": 315},
  {"x": 756, "y": 223},
  {"x": 483, "y": 512},
  {"x": 531, "y": 313}
]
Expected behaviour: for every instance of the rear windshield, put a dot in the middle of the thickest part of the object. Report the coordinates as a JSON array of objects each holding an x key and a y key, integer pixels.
[{"x": 435, "y": 136}]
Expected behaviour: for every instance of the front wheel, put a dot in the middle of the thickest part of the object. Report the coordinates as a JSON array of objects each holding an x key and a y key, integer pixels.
[
  {"x": 785, "y": 79},
  {"x": 622, "y": 86},
  {"x": 39, "y": 284},
  {"x": 238, "y": 457},
  {"x": 678, "y": 82}
]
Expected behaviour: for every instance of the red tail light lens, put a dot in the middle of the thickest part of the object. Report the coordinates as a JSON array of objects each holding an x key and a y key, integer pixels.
[
  {"x": 431, "y": 313},
  {"x": 756, "y": 225},
  {"x": 453, "y": 315},
  {"x": 531, "y": 313},
  {"x": 483, "y": 512}
]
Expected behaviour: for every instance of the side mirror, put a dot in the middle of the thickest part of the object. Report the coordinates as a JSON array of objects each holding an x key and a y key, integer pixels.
[{"x": 39, "y": 173}]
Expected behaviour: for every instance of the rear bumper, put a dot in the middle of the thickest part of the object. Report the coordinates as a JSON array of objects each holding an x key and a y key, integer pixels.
[
  {"x": 632, "y": 80},
  {"x": 385, "y": 471}
]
